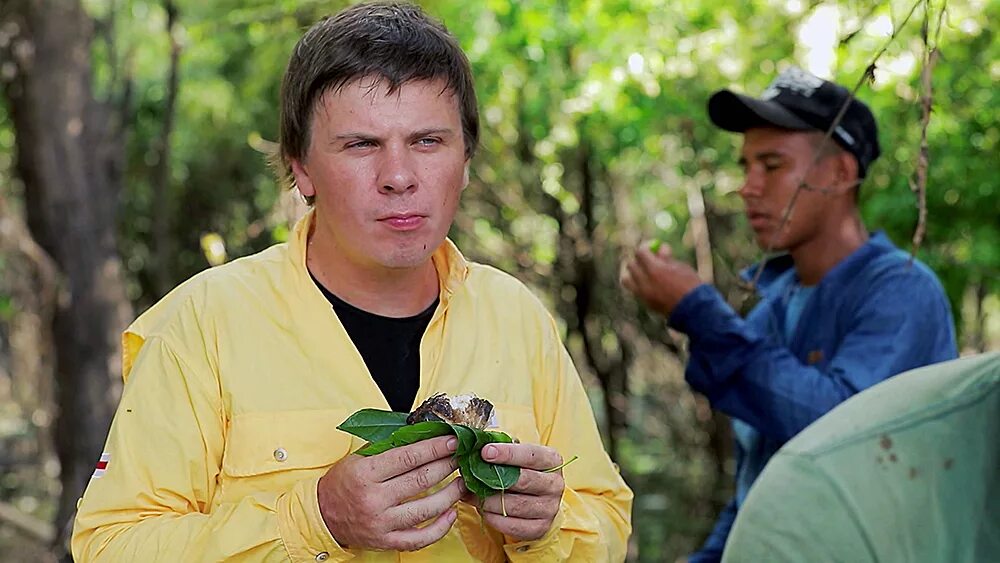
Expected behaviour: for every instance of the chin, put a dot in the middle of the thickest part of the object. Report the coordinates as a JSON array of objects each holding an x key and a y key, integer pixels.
[
  {"x": 409, "y": 256},
  {"x": 768, "y": 242}
]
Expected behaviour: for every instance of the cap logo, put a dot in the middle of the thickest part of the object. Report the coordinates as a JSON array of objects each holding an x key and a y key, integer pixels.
[
  {"x": 844, "y": 135},
  {"x": 794, "y": 79}
]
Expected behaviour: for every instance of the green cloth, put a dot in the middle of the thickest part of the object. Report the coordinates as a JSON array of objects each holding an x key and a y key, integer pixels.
[{"x": 908, "y": 470}]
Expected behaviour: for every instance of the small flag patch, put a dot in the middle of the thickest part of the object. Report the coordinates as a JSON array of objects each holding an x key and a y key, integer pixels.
[{"x": 102, "y": 465}]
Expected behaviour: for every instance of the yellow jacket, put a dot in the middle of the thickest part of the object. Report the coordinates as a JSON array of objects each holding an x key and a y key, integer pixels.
[{"x": 235, "y": 383}]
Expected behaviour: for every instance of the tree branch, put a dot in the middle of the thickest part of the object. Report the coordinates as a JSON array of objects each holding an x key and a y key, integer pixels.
[{"x": 930, "y": 58}]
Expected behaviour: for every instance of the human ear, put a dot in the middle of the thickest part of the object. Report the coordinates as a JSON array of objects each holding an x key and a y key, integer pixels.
[
  {"x": 302, "y": 180},
  {"x": 843, "y": 170}
]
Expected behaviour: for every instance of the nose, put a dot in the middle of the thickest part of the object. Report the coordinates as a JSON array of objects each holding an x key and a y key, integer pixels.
[
  {"x": 397, "y": 173},
  {"x": 753, "y": 185}
]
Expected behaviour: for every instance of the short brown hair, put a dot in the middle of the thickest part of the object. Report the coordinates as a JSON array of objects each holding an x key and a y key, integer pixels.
[{"x": 393, "y": 42}]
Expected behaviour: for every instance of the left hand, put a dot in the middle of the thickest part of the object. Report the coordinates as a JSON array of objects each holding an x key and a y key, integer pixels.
[
  {"x": 533, "y": 502},
  {"x": 659, "y": 280}
]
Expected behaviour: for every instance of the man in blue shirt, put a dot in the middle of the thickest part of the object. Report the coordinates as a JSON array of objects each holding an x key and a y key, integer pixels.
[{"x": 840, "y": 309}]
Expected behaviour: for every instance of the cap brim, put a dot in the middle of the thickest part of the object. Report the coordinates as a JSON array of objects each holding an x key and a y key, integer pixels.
[{"x": 736, "y": 112}]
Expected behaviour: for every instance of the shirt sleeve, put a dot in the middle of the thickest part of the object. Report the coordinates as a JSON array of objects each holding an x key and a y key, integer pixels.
[
  {"x": 154, "y": 499},
  {"x": 816, "y": 524},
  {"x": 902, "y": 323},
  {"x": 594, "y": 520}
]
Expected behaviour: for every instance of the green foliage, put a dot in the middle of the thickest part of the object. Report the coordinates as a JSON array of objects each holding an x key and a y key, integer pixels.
[
  {"x": 595, "y": 137},
  {"x": 385, "y": 430},
  {"x": 373, "y": 424}
]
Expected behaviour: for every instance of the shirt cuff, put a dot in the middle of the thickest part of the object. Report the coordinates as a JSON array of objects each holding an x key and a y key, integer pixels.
[
  {"x": 700, "y": 312},
  {"x": 303, "y": 531},
  {"x": 544, "y": 549}
]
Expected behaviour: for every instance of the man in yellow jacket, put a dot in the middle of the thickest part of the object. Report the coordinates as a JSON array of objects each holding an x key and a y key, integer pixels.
[{"x": 225, "y": 447}]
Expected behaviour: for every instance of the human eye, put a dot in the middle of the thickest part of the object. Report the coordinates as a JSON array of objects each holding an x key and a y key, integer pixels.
[
  {"x": 772, "y": 164},
  {"x": 360, "y": 144},
  {"x": 428, "y": 141}
]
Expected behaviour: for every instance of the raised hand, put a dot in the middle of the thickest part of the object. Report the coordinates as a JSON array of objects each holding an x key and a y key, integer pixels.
[
  {"x": 658, "y": 279},
  {"x": 526, "y": 510},
  {"x": 368, "y": 502}
]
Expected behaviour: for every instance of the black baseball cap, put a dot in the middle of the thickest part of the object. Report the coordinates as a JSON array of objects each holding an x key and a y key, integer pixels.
[{"x": 800, "y": 101}]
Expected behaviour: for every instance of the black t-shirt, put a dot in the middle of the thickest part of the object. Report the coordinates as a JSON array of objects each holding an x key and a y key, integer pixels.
[{"x": 389, "y": 346}]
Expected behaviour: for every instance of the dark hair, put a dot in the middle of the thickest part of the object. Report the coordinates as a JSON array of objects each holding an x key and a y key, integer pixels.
[{"x": 394, "y": 43}]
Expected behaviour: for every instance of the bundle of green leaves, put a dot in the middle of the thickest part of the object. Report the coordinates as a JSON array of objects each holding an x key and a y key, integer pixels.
[{"x": 385, "y": 430}]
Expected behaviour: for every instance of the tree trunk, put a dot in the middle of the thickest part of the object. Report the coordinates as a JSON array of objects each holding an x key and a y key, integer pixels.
[
  {"x": 69, "y": 151},
  {"x": 162, "y": 241}
]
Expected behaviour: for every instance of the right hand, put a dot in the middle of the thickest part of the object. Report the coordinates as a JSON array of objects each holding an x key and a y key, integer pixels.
[{"x": 368, "y": 502}]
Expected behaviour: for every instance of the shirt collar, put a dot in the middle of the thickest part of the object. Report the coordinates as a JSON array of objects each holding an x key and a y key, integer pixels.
[
  {"x": 452, "y": 268},
  {"x": 878, "y": 243}
]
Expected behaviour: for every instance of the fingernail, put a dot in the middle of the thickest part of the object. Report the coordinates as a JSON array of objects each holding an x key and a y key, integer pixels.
[
  {"x": 452, "y": 444},
  {"x": 461, "y": 484},
  {"x": 489, "y": 452}
]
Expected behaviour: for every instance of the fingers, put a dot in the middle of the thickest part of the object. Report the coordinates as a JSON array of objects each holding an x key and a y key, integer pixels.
[
  {"x": 645, "y": 252},
  {"x": 409, "y": 514},
  {"x": 522, "y": 506},
  {"x": 637, "y": 272},
  {"x": 413, "y": 539},
  {"x": 538, "y": 483},
  {"x": 404, "y": 459},
  {"x": 531, "y": 456},
  {"x": 418, "y": 480}
]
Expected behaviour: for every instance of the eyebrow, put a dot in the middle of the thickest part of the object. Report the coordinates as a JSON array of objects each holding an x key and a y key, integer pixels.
[
  {"x": 434, "y": 131},
  {"x": 416, "y": 134}
]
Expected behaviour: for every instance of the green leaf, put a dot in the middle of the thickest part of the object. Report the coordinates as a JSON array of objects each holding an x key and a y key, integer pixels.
[
  {"x": 386, "y": 430},
  {"x": 375, "y": 448},
  {"x": 373, "y": 425},
  {"x": 405, "y": 435},
  {"x": 471, "y": 481},
  {"x": 495, "y": 476},
  {"x": 413, "y": 433},
  {"x": 466, "y": 439},
  {"x": 496, "y": 436}
]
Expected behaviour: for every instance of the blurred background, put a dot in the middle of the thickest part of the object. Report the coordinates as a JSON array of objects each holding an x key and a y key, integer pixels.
[{"x": 133, "y": 137}]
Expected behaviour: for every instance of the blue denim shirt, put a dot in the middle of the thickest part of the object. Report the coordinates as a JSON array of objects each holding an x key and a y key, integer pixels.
[{"x": 874, "y": 315}]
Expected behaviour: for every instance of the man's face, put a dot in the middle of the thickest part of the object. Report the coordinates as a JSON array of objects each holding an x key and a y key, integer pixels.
[
  {"x": 775, "y": 162},
  {"x": 387, "y": 171}
]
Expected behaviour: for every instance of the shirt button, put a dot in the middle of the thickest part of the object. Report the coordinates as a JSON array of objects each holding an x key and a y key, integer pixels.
[
  {"x": 280, "y": 454},
  {"x": 323, "y": 556}
]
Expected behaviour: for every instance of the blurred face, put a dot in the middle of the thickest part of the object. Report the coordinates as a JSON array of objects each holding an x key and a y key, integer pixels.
[
  {"x": 774, "y": 161},
  {"x": 386, "y": 170}
]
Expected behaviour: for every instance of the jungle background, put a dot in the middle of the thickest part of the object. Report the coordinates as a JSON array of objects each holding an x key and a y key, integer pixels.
[{"x": 133, "y": 136}]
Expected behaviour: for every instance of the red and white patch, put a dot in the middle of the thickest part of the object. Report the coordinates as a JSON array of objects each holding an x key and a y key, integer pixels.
[{"x": 102, "y": 465}]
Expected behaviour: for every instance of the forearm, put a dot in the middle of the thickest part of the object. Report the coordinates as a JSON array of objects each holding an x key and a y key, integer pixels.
[
  {"x": 749, "y": 373},
  {"x": 263, "y": 527}
]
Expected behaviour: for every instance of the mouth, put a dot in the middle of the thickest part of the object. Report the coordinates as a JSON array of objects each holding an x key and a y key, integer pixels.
[
  {"x": 403, "y": 221},
  {"x": 758, "y": 220}
]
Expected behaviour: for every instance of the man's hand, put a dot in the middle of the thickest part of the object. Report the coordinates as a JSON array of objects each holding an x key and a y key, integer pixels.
[
  {"x": 532, "y": 503},
  {"x": 367, "y": 502},
  {"x": 658, "y": 279}
]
